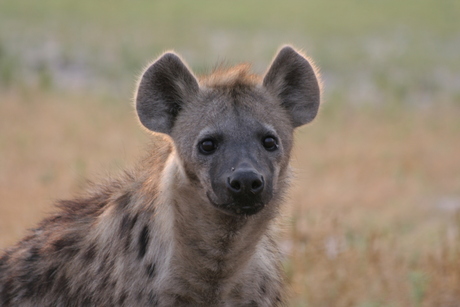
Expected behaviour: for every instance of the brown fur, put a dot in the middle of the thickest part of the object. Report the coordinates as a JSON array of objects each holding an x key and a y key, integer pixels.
[
  {"x": 236, "y": 76},
  {"x": 178, "y": 230}
]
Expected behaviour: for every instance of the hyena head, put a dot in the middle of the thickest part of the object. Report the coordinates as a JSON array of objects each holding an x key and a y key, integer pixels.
[{"x": 232, "y": 130}]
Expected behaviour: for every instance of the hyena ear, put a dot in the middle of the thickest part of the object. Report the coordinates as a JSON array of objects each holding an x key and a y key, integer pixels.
[
  {"x": 293, "y": 80},
  {"x": 163, "y": 90}
]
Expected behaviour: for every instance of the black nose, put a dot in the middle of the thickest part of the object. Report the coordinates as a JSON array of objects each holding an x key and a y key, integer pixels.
[{"x": 245, "y": 182}]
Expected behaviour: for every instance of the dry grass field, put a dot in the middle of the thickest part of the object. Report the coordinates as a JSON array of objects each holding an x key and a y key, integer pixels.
[{"x": 373, "y": 216}]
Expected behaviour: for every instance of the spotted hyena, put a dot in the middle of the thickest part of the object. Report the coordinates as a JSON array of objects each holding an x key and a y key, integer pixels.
[{"x": 194, "y": 224}]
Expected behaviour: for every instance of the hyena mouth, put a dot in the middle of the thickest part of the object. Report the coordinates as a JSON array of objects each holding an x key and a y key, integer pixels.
[{"x": 237, "y": 208}]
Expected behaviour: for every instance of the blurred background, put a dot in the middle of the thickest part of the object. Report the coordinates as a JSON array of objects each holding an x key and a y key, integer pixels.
[{"x": 373, "y": 216}]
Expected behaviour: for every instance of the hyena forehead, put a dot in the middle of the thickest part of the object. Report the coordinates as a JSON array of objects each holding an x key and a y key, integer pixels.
[{"x": 240, "y": 104}]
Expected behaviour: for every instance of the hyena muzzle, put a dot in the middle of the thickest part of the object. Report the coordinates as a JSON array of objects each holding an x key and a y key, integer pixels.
[{"x": 194, "y": 223}]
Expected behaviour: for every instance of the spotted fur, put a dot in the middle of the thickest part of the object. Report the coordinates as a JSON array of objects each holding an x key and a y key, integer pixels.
[{"x": 174, "y": 231}]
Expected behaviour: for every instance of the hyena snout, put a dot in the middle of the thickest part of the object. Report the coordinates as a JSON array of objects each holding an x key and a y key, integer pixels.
[
  {"x": 248, "y": 190},
  {"x": 245, "y": 183}
]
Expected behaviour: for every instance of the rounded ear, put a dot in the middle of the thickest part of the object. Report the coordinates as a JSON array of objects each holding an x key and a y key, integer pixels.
[
  {"x": 163, "y": 89},
  {"x": 294, "y": 81}
]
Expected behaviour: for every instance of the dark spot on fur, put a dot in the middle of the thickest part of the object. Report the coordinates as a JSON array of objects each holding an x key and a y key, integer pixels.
[
  {"x": 4, "y": 259},
  {"x": 153, "y": 299},
  {"x": 195, "y": 245},
  {"x": 67, "y": 245},
  {"x": 87, "y": 301},
  {"x": 263, "y": 285},
  {"x": 151, "y": 270},
  {"x": 102, "y": 264},
  {"x": 34, "y": 254},
  {"x": 123, "y": 201},
  {"x": 263, "y": 289},
  {"x": 48, "y": 278},
  {"x": 61, "y": 287},
  {"x": 127, "y": 225},
  {"x": 32, "y": 284},
  {"x": 37, "y": 283},
  {"x": 6, "y": 296},
  {"x": 182, "y": 300},
  {"x": 122, "y": 298},
  {"x": 105, "y": 281},
  {"x": 105, "y": 269},
  {"x": 253, "y": 304},
  {"x": 113, "y": 284},
  {"x": 139, "y": 296},
  {"x": 143, "y": 241},
  {"x": 125, "y": 221},
  {"x": 90, "y": 252},
  {"x": 85, "y": 208}
]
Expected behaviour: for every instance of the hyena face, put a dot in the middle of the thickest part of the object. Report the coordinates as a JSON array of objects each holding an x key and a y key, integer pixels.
[
  {"x": 239, "y": 149},
  {"x": 232, "y": 131}
]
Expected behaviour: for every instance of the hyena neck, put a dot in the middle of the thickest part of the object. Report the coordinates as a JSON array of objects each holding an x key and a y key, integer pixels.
[{"x": 208, "y": 245}]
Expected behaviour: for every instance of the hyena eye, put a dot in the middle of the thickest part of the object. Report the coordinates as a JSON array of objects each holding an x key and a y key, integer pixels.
[
  {"x": 207, "y": 147},
  {"x": 270, "y": 143}
]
